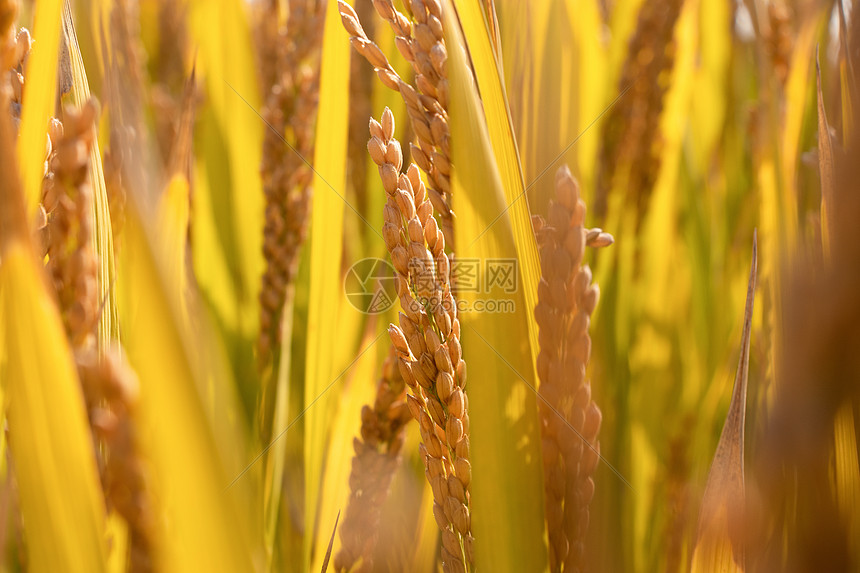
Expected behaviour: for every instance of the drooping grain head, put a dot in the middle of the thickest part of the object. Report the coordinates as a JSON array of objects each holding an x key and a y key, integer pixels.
[
  {"x": 376, "y": 458},
  {"x": 779, "y": 39},
  {"x": 427, "y": 342},
  {"x": 570, "y": 420},
  {"x": 68, "y": 197},
  {"x": 420, "y": 39},
  {"x": 290, "y": 110},
  {"x": 629, "y": 155},
  {"x": 111, "y": 392}
]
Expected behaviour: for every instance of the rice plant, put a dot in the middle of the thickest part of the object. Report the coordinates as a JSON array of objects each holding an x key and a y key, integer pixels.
[{"x": 429, "y": 285}]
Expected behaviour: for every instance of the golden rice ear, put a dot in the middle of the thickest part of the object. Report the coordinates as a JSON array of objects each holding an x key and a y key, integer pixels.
[
  {"x": 287, "y": 174},
  {"x": 376, "y": 459},
  {"x": 628, "y": 160},
  {"x": 569, "y": 419},
  {"x": 419, "y": 36},
  {"x": 434, "y": 381}
]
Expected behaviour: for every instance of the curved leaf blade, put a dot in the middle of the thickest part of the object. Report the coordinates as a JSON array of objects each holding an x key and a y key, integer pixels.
[{"x": 719, "y": 546}]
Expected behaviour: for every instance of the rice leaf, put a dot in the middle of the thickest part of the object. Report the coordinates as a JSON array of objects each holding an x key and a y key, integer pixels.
[
  {"x": 325, "y": 305},
  {"x": 60, "y": 495},
  {"x": 324, "y": 567},
  {"x": 555, "y": 106},
  {"x": 847, "y": 472},
  {"x": 719, "y": 543},
  {"x": 506, "y": 503},
  {"x": 39, "y": 99},
  {"x": 357, "y": 391}
]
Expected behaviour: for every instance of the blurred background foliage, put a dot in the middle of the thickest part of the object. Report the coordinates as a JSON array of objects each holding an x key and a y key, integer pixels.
[{"x": 689, "y": 124}]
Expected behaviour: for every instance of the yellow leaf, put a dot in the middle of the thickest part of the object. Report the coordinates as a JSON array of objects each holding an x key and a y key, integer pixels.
[
  {"x": 229, "y": 218},
  {"x": 325, "y": 307},
  {"x": 60, "y": 496},
  {"x": 173, "y": 215},
  {"x": 496, "y": 119},
  {"x": 204, "y": 530},
  {"x": 61, "y": 500},
  {"x": 38, "y": 105},
  {"x": 499, "y": 348}
]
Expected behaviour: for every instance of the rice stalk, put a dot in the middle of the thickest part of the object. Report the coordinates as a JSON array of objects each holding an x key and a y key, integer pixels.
[
  {"x": 79, "y": 91},
  {"x": 287, "y": 179},
  {"x": 570, "y": 420},
  {"x": 427, "y": 342},
  {"x": 629, "y": 156},
  {"x": 420, "y": 39},
  {"x": 377, "y": 457}
]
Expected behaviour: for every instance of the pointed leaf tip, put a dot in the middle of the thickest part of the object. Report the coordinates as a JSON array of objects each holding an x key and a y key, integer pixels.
[
  {"x": 719, "y": 545},
  {"x": 330, "y": 544}
]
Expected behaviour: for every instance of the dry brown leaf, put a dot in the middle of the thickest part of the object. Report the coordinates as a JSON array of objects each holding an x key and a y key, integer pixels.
[{"x": 719, "y": 544}]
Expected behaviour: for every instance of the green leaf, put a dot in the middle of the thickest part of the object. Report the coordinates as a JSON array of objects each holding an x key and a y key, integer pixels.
[{"x": 39, "y": 98}]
